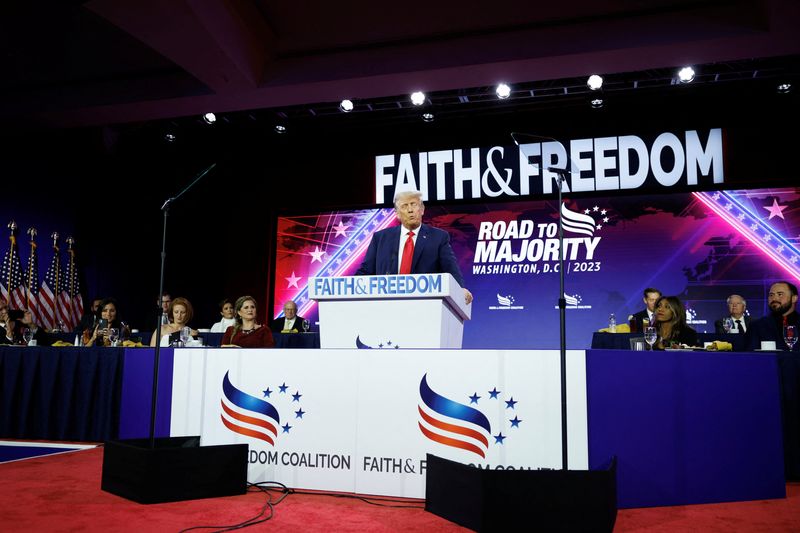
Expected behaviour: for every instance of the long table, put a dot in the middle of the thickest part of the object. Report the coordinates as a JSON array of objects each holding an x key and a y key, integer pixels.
[
  {"x": 621, "y": 341},
  {"x": 687, "y": 427}
]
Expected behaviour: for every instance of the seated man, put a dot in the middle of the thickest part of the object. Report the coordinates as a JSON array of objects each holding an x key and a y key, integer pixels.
[
  {"x": 650, "y": 297},
  {"x": 291, "y": 321},
  {"x": 740, "y": 321},
  {"x": 782, "y": 302}
]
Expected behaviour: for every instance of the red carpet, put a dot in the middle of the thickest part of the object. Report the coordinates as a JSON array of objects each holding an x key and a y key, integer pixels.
[{"x": 62, "y": 493}]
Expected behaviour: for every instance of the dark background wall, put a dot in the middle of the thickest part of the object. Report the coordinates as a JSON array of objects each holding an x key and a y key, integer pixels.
[{"x": 106, "y": 185}]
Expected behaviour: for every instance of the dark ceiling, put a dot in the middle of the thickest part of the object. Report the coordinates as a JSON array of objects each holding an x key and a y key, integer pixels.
[{"x": 68, "y": 64}]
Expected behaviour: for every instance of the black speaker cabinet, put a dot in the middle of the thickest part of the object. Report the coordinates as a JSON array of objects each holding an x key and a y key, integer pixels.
[
  {"x": 175, "y": 469},
  {"x": 522, "y": 500}
]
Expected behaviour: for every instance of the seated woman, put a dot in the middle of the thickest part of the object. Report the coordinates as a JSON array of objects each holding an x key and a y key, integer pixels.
[
  {"x": 109, "y": 318},
  {"x": 671, "y": 325},
  {"x": 226, "y": 310},
  {"x": 247, "y": 333},
  {"x": 180, "y": 312}
]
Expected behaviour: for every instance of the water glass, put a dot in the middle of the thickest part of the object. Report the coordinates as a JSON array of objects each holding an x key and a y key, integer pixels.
[
  {"x": 113, "y": 336},
  {"x": 790, "y": 336},
  {"x": 727, "y": 324},
  {"x": 186, "y": 334},
  {"x": 306, "y": 326},
  {"x": 27, "y": 335},
  {"x": 650, "y": 336}
]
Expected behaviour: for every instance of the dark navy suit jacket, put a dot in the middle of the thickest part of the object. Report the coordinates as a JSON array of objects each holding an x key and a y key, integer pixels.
[{"x": 432, "y": 253}]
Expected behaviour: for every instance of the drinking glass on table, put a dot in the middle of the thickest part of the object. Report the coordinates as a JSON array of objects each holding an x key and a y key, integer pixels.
[
  {"x": 650, "y": 336},
  {"x": 790, "y": 336},
  {"x": 306, "y": 326},
  {"x": 27, "y": 335},
  {"x": 727, "y": 324},
  {"x": 186, "y": 334},
  {"x": 113, "y": 336}
]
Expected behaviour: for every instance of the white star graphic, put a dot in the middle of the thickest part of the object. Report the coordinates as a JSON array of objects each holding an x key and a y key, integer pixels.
[
  {"x": 753, "y": 227},
  {"x": 293, "y": 281},
  {"x": 605, "y": 219},
  {"x": 775, "y": 210},
  {"x": 586, "y": 211},
  {"x": 316, "y": 255},
  {"x": 780, "y": 248},
  {"x": 767, "y": 237},
  {"x": 793, "y": 259},
  {"x": 340, "y": 229},
  {"x": 595, "y": 208},
  {"x": 715, "y": 196},
  {"x": 740, "y": 216},
  {"x": 603, "y": 212},
  {"x": 729, "y": 206},
  {"x": 599, "y": 226}
]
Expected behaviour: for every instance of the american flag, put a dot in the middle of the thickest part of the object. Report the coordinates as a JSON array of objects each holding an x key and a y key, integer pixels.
[
  {"x": 11, "y": 286},
  {"x": 48, "y": 311},
  {"x": 32, "y": 279},
  {"x": 70, "y": 301}
]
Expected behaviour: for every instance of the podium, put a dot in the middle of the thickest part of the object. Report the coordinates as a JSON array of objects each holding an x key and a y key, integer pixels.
[{"x": 390, "y": 311}]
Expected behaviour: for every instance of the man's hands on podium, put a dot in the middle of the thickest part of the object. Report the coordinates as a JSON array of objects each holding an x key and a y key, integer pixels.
[{"x": 467, "y": 296}]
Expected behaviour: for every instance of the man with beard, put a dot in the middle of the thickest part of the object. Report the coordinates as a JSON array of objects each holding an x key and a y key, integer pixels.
[{"x": 782, "y": 301}]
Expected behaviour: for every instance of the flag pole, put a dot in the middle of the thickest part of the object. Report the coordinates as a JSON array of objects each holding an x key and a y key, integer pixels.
[
  {"x": 12, "y": 226},
  {"x": 56, "y": 292},
  {"x": 32, "y": 234}
]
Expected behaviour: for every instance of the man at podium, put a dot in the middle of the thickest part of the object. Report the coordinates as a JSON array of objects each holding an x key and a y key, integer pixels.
[{"x": 412, "y": 247}]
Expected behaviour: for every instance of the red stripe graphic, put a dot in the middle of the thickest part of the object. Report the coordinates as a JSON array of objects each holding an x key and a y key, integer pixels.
[
  {"x": 447, "y": 441},
  {"x": 249, "y": 419},
  {"x": 452, "y": 428},
  {"x": 246, "y": 432}
]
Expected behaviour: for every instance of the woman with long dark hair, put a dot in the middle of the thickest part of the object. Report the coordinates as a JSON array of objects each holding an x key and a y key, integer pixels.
[{"x": 671, "y": 324}]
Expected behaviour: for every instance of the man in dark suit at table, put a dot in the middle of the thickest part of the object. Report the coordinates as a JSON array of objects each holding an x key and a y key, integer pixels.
[
  {"x": 650, "y": 297},
  {"x": 412, "y": 247},
  {"x": 291, "y": 322},
  {"x": 739, "y": 320},
  {"x": 10, "y": 332},
  {"x": 782, "y": 302}
]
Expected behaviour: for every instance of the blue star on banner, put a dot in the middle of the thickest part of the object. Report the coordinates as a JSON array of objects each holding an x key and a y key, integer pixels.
[
  {"x": 286, "y": 428},
  {"x": 474, "y": 398},
  {"x": 299, "y": 413},
  {"x": 498, "y": 439},
  {"x": 510, "y": 403},
  {"x": 267, "y": 393},
  {"x": 283, "y": 387},
  {"x": 296, "y": 396},
  {"x": 515, "y": 422},
  {"x": 493, "y": 393}
]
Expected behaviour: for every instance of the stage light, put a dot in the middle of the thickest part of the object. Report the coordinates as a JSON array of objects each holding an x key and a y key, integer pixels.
[
  {"x": 596, "y": 103},
  {"x": 595, "y": 82},
  {"x": 280, "y": 128},
  {"x": 210, "y": 118},
  {"x": 346, "y": 106},
  {"x": 418, "y": 98},
  {"x": 503, "y": 91},
  {"x": 170, "y": 137},
  {"x": 784, "y": 88},
  {"x": 428, "y": 117},
  {"x": 686, "y": 74}
]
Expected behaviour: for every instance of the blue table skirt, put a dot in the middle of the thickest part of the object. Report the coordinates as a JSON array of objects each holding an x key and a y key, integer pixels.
[{"x": 60, "y": 393}]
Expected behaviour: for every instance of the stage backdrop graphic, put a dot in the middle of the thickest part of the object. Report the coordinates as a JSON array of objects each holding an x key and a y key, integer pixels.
[{"x": 699, "y": 246}]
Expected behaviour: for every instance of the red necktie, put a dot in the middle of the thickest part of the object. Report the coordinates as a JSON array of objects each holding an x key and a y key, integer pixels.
[{"x": 408, "y": 254}]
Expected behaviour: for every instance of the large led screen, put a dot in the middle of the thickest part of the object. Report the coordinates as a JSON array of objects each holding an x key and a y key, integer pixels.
[{"x": 700, "y": 247}]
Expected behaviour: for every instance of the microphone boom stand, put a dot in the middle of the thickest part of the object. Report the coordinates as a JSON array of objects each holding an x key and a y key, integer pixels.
[
  {"x": 157, "y": 355},
  {"x": 562, "y": 319}
]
